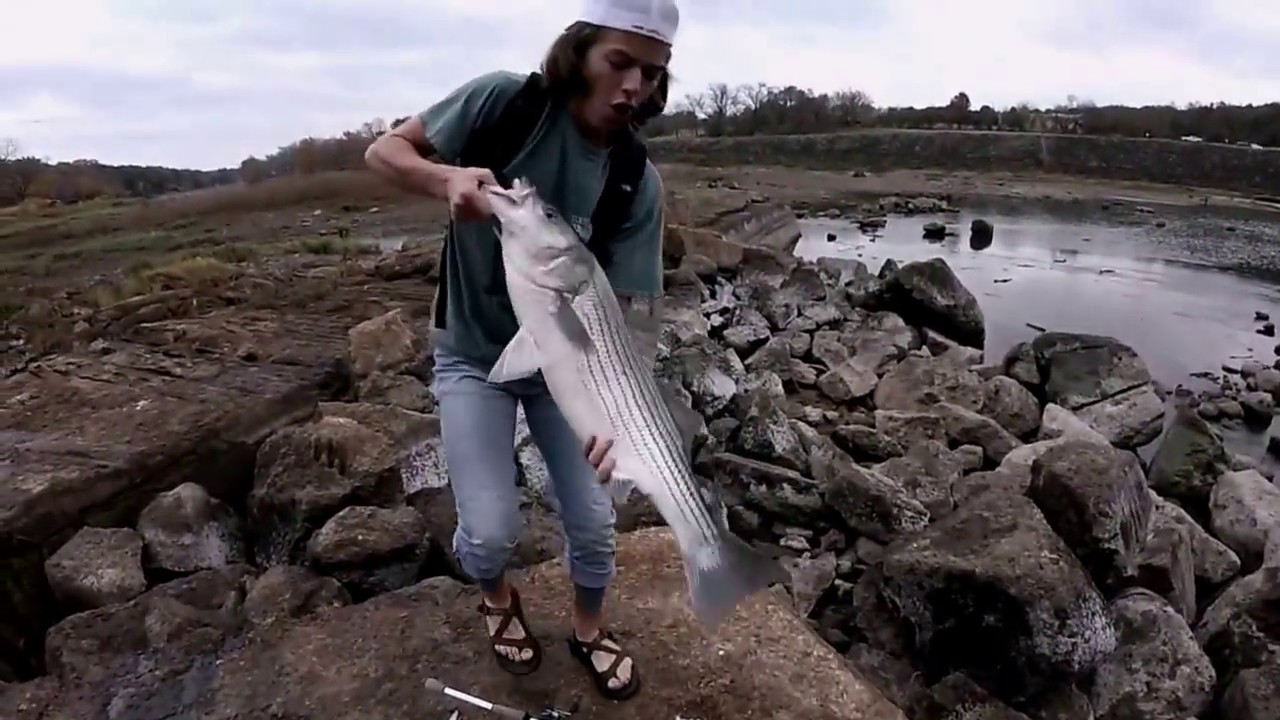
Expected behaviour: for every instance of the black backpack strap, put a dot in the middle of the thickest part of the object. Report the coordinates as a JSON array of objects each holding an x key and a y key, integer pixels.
[
  {"x": 627, "y": 161},
  {"x": 494, "y": 145}
]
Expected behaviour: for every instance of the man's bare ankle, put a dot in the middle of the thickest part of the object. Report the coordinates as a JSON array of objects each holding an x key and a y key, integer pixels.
[{"x": 499, "y": 598}]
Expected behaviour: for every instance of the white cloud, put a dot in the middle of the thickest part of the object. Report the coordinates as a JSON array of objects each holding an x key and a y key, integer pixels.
[{"x": 207, "y": 82}]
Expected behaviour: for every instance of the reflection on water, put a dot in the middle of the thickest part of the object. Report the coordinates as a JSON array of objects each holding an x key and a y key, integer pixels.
[{"x": 1075, "y": 275}]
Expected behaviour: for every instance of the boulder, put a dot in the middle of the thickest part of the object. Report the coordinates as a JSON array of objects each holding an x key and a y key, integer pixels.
[
  {"x": 1096, "y": 498},
  {"x": 928, "y": 294},
  {"x": 1188, "y": 460},
  {"x": 1245, "y": 509},
  {"x": 97, "y": 567},
  {"x": 1157, "y": 669},
  {"x": 992, "y": 591},
  {"x": 187, "y": 530}
]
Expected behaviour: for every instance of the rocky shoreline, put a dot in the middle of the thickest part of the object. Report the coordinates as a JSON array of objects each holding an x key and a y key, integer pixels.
[{"x": 978, "y": 539}]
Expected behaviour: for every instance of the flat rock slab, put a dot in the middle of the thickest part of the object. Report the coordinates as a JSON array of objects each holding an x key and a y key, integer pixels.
[
  {"x": 370, "y": 660},
  {"x": 81, "y": 432}
]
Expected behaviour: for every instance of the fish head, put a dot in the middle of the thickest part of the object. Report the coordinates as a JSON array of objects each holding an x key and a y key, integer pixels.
[{"x": 537, "y": 243}]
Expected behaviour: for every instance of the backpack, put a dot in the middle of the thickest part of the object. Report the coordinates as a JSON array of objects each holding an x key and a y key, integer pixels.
[{"x": 493, "y": 145}]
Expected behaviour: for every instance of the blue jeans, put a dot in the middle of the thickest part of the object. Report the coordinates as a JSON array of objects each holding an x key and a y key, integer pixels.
[{"x": 477, "y": 422}]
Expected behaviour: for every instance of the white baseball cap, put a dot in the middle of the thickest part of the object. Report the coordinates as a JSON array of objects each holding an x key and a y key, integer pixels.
[{"x": 657, "y": 19}]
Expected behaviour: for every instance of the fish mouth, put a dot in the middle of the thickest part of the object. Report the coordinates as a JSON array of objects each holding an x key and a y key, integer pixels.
[{"x": 516, "y": 195}]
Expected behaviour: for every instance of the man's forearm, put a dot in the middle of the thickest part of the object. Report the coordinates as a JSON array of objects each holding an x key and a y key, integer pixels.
[{"x": 396, "y": 160}]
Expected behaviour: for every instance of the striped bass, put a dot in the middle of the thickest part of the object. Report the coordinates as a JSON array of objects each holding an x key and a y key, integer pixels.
[{"x": 572, "y": 330}]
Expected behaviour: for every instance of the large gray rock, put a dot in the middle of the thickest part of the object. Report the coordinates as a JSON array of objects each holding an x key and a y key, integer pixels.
[
  {"x": 186, "y": 530},
  {"x": 1011, "y": 404},
  {"x": 306, "y": 473},
  {"x": 1254, "y": 694},
  {"x": 372, "y": 550},
  {"x": 1212, "y": 562},
  {"x": 97, "y": 567},
  {"x": 1188, "y": 460},
  {"x": 1157, "y": 670},
  {"x": 1096, "y": 498},
  {"x": 1245, "y": 509},
  {"x": 1100, "y": 379},
  {"x": 927, "y": 293},
  {"x": 918, "y": 383},
  {"x": 1241, "y": 628},
  {"x": 992, "y": 591}
]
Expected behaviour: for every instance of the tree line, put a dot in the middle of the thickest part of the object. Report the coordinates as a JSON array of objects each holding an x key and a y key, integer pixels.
[{"x": 721, "y": 110}]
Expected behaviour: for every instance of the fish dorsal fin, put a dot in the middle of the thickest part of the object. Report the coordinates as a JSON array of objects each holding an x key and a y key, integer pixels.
[{"x": 519, "y": 359}]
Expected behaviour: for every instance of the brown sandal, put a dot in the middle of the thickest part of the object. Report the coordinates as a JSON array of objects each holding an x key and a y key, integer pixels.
[
  {"x": 498, "y": 637},
  {"x": 583, "y": 650}
]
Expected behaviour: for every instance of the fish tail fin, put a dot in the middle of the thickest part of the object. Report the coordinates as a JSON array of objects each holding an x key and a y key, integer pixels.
[
  {"x": 620, "y": 487},
  {"x": 726, "y": 571}
]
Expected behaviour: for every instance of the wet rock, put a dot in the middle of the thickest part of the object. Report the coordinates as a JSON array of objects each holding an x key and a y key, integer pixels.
[
  {"x": 371, "y": 550},
  {"x": 1011, "y": 404},
  {"x": 1245, "y": 512},
  {"x": 928, "y": 294},
  {"x": 1241, "y": 628},
  {"x": 1212, "y": 562},
  {"x": 290, "y": 592},
  {"x": 386, "y": 343},
  {"x": 97, "y": 567},
  {"x": 186, "y": 530},
  {"x": 967, "y": 427},
  {"x": 992, "y": 591},
  {"x": 305, "y": 474},
  {"x": 1257, "y": 409},
  {"x": 1096, "y": 498},
  {"x": 1254, "y": 694},
  {"x": 1188, "y": 460},
  {"x": 918, "y": 383},
  {"x": 1157, "y": 669}
]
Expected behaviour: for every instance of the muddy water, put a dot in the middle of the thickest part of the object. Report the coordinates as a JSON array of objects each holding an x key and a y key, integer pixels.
[{"x": 1181, "y": 287}]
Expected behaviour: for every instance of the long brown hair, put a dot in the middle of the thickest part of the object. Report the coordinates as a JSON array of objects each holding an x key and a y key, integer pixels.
[{"x": 563, "y": 75}]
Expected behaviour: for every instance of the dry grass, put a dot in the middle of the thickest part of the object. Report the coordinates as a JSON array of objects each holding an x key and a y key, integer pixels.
[
  {"x": 175, "y": 213},
  {"x": 143, "y": 279}
]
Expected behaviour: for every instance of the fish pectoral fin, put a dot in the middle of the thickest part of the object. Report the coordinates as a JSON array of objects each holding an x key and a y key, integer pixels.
[
  {"x": 570, "y": 325},
  {"x": 519, "y": 359}
]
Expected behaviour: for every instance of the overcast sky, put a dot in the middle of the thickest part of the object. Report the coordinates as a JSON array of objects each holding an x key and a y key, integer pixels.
[{"x": 205, "y": 83}]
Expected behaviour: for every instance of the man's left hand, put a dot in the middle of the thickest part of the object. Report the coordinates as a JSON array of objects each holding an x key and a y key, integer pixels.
[{"x": 597, "y": 454}]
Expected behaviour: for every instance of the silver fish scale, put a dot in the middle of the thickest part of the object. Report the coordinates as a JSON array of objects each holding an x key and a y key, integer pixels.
[{"x": 618, "y": 376}]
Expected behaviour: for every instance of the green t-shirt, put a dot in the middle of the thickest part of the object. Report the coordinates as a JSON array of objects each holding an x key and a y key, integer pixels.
[{"x": 569, "y": 173}]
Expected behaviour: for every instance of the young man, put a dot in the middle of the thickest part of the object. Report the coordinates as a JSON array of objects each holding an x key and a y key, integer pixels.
[{"x": 601, "y": 79}]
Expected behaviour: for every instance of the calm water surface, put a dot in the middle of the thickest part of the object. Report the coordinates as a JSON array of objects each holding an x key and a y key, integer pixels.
[{"x": 1142, "y": 284}]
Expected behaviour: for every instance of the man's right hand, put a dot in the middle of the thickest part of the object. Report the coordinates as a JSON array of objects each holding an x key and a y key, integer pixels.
[{"x": 467, "y": 200}]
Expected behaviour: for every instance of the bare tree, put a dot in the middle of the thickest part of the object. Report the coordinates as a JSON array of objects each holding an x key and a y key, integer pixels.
[{"x": 8, "y": 149}]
